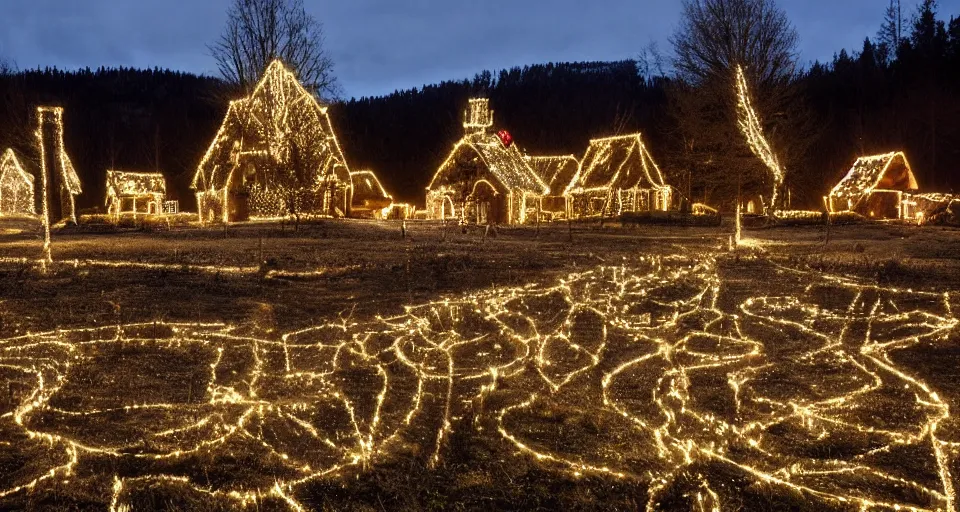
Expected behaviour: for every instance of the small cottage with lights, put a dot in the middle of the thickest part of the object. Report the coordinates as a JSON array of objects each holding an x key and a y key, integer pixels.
[
  {"x": 486, "y": 179},
  {"x": 877, "y": 187},
  {"x": 17, "y": 190},
  {"x": 369, "y": 198},
  {"x": 135, "y": 192},
  {"x": 275, "y": 155},
  {"x": 557, "y": 172},
  {"x": 618, "y": 175}
]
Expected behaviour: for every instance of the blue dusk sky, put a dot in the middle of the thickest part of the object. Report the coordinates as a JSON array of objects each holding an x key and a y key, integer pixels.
[{"x": 379, "y": 46}]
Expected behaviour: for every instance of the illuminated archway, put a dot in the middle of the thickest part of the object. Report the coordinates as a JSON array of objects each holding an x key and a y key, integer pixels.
[
  {"x": 449, "y": 210},
  {"x": 484, "y": 201}
]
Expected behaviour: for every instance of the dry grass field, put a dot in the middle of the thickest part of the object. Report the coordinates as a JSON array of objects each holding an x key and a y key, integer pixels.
[{"x": 346, "y": 367}]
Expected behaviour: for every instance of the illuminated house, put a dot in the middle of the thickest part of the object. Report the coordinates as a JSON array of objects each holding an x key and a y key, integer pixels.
[
  {"x": 275, "y": 155},
  {"x": 486, "y": 179},
  {"x": 929, "y": 206},
  {"x": 618, "y": 175},
  {"x": 369, "y": 198},
  {"x": 137, "y": 193},
  {"x": 16, "y": 187},
  {"x": 63, "y": 184},
  {"x": 876, "y": 187},
  {"x": 557, "y": 172}
]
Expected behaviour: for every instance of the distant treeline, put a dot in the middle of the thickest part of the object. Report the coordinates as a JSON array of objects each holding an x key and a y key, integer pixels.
[
  {"x": 876, "y": 100},
  {"x": 550, "y": 109},
  {"x": 902, "y": 94},
  {"x": 127, "y": 119}
]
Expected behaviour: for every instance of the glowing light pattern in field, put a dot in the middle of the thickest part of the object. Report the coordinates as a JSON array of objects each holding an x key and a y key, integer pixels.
[
  {"x": 752, "y": 129},
  {"x": 16, "y": 187},
  {"x": 655, "y": 367}
]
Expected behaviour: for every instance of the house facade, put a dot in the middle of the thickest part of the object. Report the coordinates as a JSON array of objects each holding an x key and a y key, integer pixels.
[
  {"x": 557, "y": 172},
  {"x": 135, "y": 192},
  {"x": 17, "y": 189},
  {"x": 877, "y": 187},
  {"x": 617, "y": 175},
  {"x": 486, "y": 179},
  {"x": 275, "y": 155}
]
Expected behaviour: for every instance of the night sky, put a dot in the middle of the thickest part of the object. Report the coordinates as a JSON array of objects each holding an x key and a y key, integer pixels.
[{"x": 382, "y": 45}]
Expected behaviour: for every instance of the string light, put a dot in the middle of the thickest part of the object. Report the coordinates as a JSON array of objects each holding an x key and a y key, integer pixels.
[
  {"x": 277, "y": 146},
  {"x": 617, "y": 175},
  {"x": 149, "y": 188},
  {"x": 69, "y": 180},
  {"x": 752, "y": 129},
  {"x": 504, "y": 169},
  {"x": 557, "y": 172},
  {"x": 703, "y": 209},
  {"x": 872, "y": 178},
  {"x": 16, "y": 187},
  {"x": 678, "y": 369}
]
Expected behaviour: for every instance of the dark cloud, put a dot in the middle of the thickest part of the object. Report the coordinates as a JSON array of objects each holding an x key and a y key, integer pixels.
[{"x": 382, "y": 45}]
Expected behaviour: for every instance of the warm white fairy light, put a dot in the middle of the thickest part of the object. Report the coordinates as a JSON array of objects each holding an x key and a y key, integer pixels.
[
  {"x": 69, "y": 180},
  {"x": 648, "y": 349},
  {"x": 16, "y": 187},
  {"x": 738, "y": 235},
  {"x": 369, "y": 185},
  {"x": 618, "y": 175},
  {"x": 886, "y": 174},
  {"x": 752, "y": 129},
  {"x": 874, "y": 178},
  {"x": 278, "y": 146},
  {"x": 149, "y": 189},
  {"x": 557, "y": 172},
  {"x": 504, "y": 168},
  {"x": 703, "y": 209}
]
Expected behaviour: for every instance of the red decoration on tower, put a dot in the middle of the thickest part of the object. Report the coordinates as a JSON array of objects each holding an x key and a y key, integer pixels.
[{"x": 505, "y": 138}]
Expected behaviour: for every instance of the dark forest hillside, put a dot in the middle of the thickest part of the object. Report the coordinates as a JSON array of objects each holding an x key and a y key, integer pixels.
[
  {"x": 876, "y": 100},
  {"x": 146, "y": 120},
  {"x": 125, "y": 119},
  {"x": 551, "y": 109}
]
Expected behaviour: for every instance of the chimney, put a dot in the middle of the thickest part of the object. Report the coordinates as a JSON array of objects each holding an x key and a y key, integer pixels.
[{"x": 478, "y": 116}]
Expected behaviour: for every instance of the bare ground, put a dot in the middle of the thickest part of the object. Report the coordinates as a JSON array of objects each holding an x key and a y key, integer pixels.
[{"x": 558, "y": 427}]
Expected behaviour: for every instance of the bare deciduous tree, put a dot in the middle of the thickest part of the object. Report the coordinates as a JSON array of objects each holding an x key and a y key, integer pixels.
[
  {"x": 259, "y": 31},
  {"x": 713, "y": 38}
]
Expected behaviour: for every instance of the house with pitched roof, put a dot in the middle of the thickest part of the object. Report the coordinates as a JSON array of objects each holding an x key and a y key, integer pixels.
[
  {"x": 368, "y": 197},
  {"x": 486, "y": 179},
  {"x": 135, "y": 192},
  {"x": 618, "y": 175},
  {"x": 557, "y": 172},
  {"x": 877, "y": 187},
  {"x": 17, "y": 190},
  {"x": 276, "y": 155}
]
